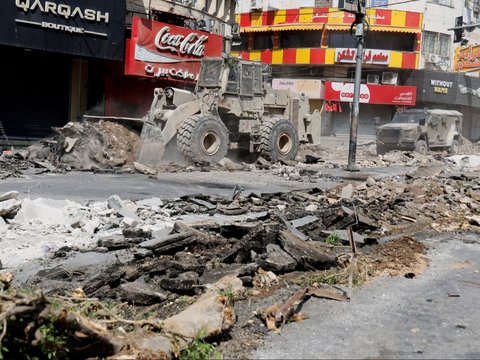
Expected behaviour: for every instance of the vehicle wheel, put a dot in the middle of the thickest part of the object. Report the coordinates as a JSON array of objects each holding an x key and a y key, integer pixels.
[
  {"x": 455, "y": 148},
  {"x": 203, "y": 138},
  {"x": 421, "y": 147},
  {"x": 278, "y": 140},
  {"x": 381, "y": 149}
]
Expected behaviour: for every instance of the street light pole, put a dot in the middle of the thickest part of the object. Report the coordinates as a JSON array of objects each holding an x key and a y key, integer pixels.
[{"x": 359, "y": 35}]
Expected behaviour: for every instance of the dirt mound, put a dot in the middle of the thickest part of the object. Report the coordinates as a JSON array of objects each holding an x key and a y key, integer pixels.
[{"x": 400, "y": 257}]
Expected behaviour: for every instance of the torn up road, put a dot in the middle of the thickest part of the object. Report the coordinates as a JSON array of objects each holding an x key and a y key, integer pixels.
[{"x": 131, "y": 273}]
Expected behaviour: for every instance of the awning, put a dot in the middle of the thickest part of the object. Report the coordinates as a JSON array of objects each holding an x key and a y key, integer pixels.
[
  {"x": 376, "y": 28},
  {"x": 283, "y": 28},
  {"x": 327, "y": 26}
]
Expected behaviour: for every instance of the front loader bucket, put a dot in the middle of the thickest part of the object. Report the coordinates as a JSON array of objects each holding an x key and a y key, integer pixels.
[{"x": 152, "y": 146}]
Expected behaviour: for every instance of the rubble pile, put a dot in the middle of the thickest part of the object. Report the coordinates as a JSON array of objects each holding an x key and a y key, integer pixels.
[{"x": 122, "y": 260}]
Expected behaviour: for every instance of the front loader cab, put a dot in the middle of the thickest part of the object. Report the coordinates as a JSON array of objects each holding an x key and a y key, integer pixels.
[
  {"x": 245, "y": 78},
  {"x": 212, "y": 73}
]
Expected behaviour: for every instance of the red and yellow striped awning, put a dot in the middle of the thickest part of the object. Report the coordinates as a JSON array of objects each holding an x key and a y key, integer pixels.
[
  {"x": 329, "y": 18},
  {"x": 327, "y": 26}
]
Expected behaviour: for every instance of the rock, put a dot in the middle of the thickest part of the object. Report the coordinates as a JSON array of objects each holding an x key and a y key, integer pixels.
[
  {"x": 183, "y": 283},
  {"x": 5, "y": 279},
  {"x": 144, "y": 169},
  {"x": 114, "y": 202},
  {"x": 140, "y": 293},
  {"x": 311, "y": 208},
  {"x": 209, "y": 313},
  {"x": 149, "y": 346},
  {"x": 141, "y": 253},
  {"x": 150, "y": 203},
  {"x": 117, "y": 242},
  {"x": 9, "y": 208},
  {"x": 69, "y": 144},
  {"x": 229, "y": 164},
  {"x": 347, "y": 192},
  {"x": 129, "y": 222},
  {"x": 9, "y": 195},
  {"x": 276, "y": 260},
  {"x": 137, "y": 233}
]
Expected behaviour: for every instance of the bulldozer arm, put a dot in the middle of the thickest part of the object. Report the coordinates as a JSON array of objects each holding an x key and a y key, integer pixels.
[
  {"x": 154, "y": 138},
  {"x": 313, "y": 127}
]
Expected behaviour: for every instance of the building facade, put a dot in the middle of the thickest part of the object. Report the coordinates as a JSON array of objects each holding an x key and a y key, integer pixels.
[
  {"x": 310, "y": 49},
  {"x": 66, "y": 58}
]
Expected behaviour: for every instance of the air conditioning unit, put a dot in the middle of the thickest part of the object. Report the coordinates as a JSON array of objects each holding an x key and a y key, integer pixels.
[
  {"x": 205, "y": 25},
  {"x": 432, "y": 58},
  {"x": 274, "y": 5},
  {"x": 236, "y": 29},
  {"x": 389, "y": 78},
  {"x": 373, "y": 79},
  {"x": 256, "y": 5},
  {"x": 227, "y": 30}
]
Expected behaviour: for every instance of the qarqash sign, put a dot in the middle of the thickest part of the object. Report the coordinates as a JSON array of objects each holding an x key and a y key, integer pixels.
[{"x": 92, "y": 28}]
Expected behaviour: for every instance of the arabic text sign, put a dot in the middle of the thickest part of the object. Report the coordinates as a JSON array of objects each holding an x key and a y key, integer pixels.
[
  {"x": 164, "y": 51},
  {"x": 348, "y": 56},
  {"x": 371, "y": 93},
  {"x": 467, "y": 58}
]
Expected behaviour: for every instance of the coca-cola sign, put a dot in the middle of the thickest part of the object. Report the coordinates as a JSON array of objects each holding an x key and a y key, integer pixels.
[
  {"x": 191, "y": 44},
  {"x": 168, "y": 52}
]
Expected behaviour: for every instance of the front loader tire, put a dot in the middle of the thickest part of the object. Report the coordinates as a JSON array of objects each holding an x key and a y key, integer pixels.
[
  {"x": 278, "y": 140},
  {"x": 203, "y": 139}
]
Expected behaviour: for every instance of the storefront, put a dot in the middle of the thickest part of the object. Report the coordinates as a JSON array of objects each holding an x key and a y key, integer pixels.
[
  {"x": 47, "y": 49},
  {"x": 378, "y": 103},
  {"x": 453, "y": 91}
]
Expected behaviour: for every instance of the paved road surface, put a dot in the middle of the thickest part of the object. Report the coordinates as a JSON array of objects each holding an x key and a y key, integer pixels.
[{"x": 396, "y": 317}]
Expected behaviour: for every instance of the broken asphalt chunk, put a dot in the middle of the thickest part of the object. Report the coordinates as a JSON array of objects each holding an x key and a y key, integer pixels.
[
  {"x": 276, "y": 260},
  {"x": 307, "y": 254}
]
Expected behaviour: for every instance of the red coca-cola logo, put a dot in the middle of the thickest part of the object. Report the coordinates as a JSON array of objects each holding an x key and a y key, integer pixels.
[{"x": 349, "y": 95}]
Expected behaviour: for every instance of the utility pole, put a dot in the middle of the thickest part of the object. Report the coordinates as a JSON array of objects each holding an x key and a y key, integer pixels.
[{"x": 359, "y": 35}]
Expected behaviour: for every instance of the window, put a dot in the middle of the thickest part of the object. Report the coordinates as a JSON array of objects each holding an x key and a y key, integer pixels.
[
  {"x": 442, "y": 2},
  {"x": 300, "y": 39},
  {"x": 375, "y": 40},
  {"x": 262, "y": 41},
  {"x": 436, "y": 43},
  {"x": 241, "y": 45}
]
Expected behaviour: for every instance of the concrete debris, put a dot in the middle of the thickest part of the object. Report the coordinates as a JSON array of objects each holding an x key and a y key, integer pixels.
[
  {"x": 9, "y": 195},
  {"x": 276, "y": 260},
  {"x": 144, "y": 169},
  {"x": 140, "y": 293},
  {"x": 10, "y": 208}
]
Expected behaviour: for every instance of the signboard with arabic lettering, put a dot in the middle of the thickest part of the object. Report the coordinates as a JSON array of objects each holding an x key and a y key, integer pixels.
[
  {"x": 467, "y": 58},
  {"x": 92, "y": 28},
  {"x": 378, "y": 3},
  {"x": 169, "y": 52},
  {"x": 371, "y": 93},
  {"x": 348, "y": 56}
]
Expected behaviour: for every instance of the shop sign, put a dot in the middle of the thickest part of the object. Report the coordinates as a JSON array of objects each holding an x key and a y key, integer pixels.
[
  {"x": 92, "y": 28},
  {"x": 308, "y": 87},
  {"x": 440, "y": 86},
  {"x": 371, "y": 93},
  {"x": 467, "y": 58},
  {"x": 348, "y": 56},
  {"x": 164, "y": 51}
]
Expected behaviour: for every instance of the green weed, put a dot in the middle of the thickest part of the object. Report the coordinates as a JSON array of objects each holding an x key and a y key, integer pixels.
[
  {"x": 333, "y": 239},
  {"x": 200, "y": 350}
]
